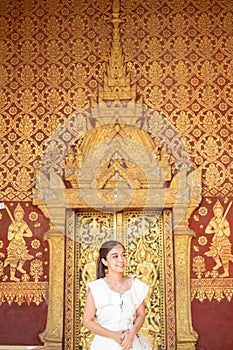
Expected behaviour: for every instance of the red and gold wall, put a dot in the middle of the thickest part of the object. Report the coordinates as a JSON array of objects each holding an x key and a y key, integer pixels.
[{"x": 52, "y": 58}]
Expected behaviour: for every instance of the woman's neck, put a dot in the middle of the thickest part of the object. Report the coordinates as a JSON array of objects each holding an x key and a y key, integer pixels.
[
  {"x": 115, "y": 278},
  {"x": 118, "y": 283}
]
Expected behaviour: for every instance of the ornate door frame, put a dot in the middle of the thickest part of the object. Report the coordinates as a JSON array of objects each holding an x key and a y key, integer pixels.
[
  {"x": 148, "y": 239},
  {"x": 182, "y": 208}
]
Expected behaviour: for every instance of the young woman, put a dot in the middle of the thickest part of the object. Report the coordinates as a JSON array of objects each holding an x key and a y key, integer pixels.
[{"x": 116, "y": 301}]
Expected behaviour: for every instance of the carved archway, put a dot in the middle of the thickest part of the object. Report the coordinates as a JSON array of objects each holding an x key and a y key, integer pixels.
[{"x": 180, "y": 193}]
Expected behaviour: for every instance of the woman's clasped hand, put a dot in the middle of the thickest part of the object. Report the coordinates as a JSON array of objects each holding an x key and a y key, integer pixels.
[{"x": 127, "y": 339}]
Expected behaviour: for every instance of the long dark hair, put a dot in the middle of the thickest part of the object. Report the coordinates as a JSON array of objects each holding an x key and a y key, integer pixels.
[{"x": 103, "y": 252}]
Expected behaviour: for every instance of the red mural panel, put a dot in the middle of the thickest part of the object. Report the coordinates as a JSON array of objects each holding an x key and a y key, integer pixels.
[
  {"x": 22, "y": 324},
  {"x": 24, "y": 270},
  {"x": 212, "y": 274},
  {"x": 213, "y": 322},
  {"x": 213, "y": 226}
]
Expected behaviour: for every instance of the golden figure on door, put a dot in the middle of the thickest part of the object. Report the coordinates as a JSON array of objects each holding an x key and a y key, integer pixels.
[
  {"x": 89, "y": 270},
  {"x": 146, "y": 269}
]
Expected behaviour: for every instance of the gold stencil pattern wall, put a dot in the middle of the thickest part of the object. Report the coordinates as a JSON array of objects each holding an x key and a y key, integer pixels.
[
  {"x": 53, "y": 54},
  {"x": 50, "y": 58}
]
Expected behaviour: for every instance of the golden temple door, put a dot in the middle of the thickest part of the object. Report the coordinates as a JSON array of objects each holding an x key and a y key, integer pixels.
[{"x": 147, "y": 236}]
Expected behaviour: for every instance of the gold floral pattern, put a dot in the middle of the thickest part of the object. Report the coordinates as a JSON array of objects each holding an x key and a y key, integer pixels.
[{"x": 53, "y": 56}]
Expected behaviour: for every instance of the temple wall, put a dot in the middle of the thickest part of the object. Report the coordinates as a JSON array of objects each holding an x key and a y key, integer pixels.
[{"x": 52, "y": 59}]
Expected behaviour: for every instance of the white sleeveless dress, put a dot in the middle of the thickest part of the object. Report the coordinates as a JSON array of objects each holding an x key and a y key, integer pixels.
[{"x": 115, "y": 311}]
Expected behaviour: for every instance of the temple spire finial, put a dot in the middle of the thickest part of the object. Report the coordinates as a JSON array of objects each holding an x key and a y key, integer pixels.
[
  {"x": 116, "y": 85},
  {"x": 116, "y": 8}
]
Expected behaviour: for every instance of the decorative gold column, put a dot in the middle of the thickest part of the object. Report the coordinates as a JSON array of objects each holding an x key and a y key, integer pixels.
[
  {"x": 53, "y": 334},
  {"x": 186, "y": 335},
  {"x": 54, "y": 208}
]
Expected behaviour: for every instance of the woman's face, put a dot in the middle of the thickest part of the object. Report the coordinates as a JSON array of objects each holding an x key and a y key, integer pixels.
[{"x": 116, "y": 259}]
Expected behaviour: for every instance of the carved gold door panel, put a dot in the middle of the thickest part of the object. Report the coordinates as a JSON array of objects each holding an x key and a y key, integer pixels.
[{"x": 147, "y": 237}]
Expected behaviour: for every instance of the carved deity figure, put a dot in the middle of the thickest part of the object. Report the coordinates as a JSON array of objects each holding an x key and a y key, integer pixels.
[
  {"x": 146, "y": 269},
  {"x": 17, "y": 251},
  {"x": 220, "y": 248},
  {"x": 89, "y": 270},
  {"x": 73, "y": 163}
]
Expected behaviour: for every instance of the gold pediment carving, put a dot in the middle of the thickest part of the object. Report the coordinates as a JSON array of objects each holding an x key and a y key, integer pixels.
[{"x": 119, "y": 147}]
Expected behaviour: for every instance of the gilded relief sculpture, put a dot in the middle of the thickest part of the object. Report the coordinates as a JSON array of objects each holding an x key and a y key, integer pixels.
[
  {"x": 17, "y": 250},
  {"x": 22, "y": 270},
  {"x": 146, "y": 269},
  {"x": 89, "y": 270},
  {"x": 73, "y": 163},
  {"x": 213, "y": 268},
  {"x": 220, "y": 247}
]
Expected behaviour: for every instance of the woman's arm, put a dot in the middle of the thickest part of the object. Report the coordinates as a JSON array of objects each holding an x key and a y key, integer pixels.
[
  {"x": 130, "y": 334},
  {"x": 89, "y": 321},
  {"x": 140, "y": 318}
]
